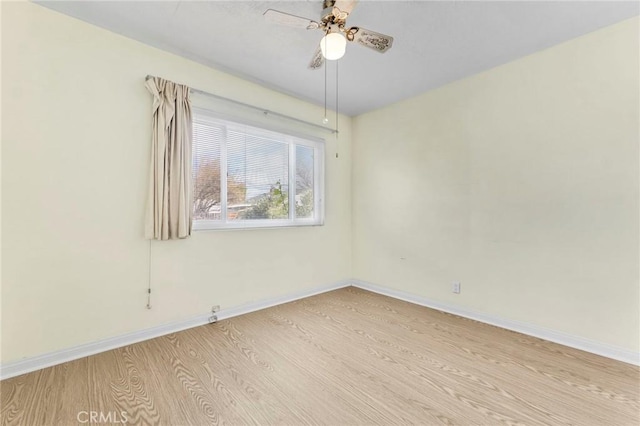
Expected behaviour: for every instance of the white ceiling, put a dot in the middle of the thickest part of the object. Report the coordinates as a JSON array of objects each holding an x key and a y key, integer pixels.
[{"x": 436, "y": 42}]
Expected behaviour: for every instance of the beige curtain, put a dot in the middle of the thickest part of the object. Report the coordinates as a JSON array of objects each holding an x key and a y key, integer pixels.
[{"x": 169, "y": 210}]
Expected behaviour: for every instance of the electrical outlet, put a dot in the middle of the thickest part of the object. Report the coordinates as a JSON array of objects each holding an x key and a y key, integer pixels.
[
  {"x": 456, "y": 287},
  {"x": 214, "y": 318}
]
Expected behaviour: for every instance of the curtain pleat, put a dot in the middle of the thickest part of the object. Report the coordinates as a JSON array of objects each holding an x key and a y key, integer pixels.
[{"x": 169, "y": 210}]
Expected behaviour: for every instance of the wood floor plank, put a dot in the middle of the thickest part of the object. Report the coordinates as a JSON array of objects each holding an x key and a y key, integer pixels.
[{"x": 347, "y": 357}]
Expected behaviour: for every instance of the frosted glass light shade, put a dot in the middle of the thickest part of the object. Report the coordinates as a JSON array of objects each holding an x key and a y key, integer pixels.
[{"x": 333, "y": 46}]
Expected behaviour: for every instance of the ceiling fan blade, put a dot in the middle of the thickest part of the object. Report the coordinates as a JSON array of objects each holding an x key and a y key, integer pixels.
[
  {"x": 289, "y": 20},
  {"x": 371, "y": 39},
  {"x": 342, "y": 9},
  {"x": 317, "y": 60}
]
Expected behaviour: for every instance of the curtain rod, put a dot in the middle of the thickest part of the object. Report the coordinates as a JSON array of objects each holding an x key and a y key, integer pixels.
[{"x": 263, "y": 110}]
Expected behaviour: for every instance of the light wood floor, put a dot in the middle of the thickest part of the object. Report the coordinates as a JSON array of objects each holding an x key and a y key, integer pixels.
[{"x": 346, "y": 357}]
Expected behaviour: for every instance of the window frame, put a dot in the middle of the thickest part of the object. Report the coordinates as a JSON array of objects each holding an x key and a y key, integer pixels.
[{"x": 292, "y": 139}]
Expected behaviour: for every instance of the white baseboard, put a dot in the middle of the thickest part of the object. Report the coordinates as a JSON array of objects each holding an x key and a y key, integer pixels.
[
  {"x": 28, "y": 365},
  {"x": 565, "y": 339}
]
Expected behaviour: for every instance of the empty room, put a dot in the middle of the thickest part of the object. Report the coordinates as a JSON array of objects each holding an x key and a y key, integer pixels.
[{"x": 329, "y": 212}]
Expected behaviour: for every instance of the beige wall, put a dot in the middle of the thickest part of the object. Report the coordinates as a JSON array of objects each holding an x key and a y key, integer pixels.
[
  {"x": 521, "y": 182},
  {"x": 0, "y": 183},
  {"x": 75, "y": 151}
]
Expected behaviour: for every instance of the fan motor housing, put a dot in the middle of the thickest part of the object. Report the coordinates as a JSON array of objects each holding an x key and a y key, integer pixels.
[
  {"x": 327, "y": 11},
  {"x": 328, "y": 3}
]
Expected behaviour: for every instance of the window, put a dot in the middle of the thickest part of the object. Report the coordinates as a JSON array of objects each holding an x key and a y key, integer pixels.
[{"x": 247, "y": 177}]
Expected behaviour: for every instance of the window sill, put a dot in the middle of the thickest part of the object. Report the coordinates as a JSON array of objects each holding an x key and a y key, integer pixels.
[{"x": 203, "y": 225}]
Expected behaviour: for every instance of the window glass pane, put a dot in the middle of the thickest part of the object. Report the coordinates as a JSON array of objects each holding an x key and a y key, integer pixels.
[
  {"x": 304, "y": 182},
  {"x": 207, "y": 140},
  {"x": 257, "y": 169},
  {"x": 257, "y": 177}
]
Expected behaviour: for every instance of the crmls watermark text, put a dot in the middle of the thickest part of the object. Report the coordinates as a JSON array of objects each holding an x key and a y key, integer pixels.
[{"x": 102, "y": 417}]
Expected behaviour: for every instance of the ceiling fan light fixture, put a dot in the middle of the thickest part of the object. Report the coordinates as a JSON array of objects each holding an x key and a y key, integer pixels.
[{"x": 333, "y": 46}]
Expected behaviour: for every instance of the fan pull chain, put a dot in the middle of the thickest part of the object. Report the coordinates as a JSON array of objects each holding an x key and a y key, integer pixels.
[
  {"x": 325, "y": 120},
  {"x": 336, "y": 133}
]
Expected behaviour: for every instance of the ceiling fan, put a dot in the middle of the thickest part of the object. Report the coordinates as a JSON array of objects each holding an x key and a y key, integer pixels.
[{"x": 333, "y": 22}]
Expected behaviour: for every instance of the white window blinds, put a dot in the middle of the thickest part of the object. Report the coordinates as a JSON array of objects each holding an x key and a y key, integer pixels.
[{"x": 245, "y": 176}]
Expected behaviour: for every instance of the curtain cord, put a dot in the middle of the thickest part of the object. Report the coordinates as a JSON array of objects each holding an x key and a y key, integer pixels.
[{"x": 149, "y": 278}]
